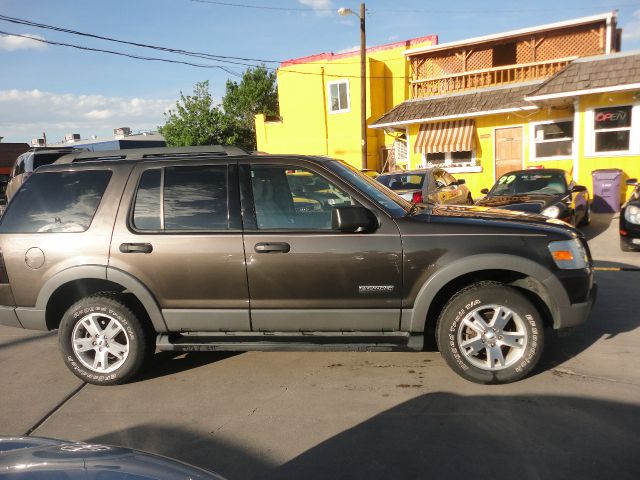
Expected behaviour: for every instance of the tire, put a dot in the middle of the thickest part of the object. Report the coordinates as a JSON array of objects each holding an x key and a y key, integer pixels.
[
  {"x": 103, "y": 342},
  {"x": 472, "y": 339},
  {"x": 586, "y": 219}
]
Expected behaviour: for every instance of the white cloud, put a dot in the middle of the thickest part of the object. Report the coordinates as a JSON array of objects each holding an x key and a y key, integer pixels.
[
  {"x": 26, "y": 113},
  {"x": 322, "y": 7},
  {"x": 350, "y": 49},
  {"x": 631, "y": 30},
  {"x": 10, "y": 43}
]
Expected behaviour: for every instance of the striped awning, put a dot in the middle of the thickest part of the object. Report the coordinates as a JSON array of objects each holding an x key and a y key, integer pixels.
[{"x": 455, "y": 136}]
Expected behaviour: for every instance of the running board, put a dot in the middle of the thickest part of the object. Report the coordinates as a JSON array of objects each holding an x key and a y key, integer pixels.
[{"x": 289, "y": 341}]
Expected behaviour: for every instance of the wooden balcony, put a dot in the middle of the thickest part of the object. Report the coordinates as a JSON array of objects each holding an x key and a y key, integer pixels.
[{"x": 490, "y": 77}]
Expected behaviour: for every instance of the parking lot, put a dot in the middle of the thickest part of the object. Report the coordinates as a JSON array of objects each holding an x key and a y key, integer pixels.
[{"x": 362, "y": 415}]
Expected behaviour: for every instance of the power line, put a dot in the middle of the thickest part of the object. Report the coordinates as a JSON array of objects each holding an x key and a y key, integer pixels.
[
  {"x": 122, "y": 54},
  {"x": 211, "y": 56},
  {"x": 266, "y": 7}
]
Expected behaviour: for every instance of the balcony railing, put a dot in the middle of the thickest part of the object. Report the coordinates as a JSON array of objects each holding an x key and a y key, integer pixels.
[{"x": 489, "y": 77}]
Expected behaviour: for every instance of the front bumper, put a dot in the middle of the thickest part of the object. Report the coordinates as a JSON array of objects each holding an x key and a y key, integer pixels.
[{"x": 577, "y": 313}]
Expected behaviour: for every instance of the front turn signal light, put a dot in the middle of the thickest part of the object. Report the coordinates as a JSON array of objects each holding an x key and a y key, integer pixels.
[{"x": 562, "y": 256}]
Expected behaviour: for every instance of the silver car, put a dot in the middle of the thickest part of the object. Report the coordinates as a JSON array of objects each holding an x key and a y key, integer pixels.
[{"x": 428, "y": 184}]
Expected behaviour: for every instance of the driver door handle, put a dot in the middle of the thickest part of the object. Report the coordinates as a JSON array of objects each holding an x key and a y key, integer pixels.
[
  {"x": 136, "y": 248},
  {"x": 269, "y": 247}
]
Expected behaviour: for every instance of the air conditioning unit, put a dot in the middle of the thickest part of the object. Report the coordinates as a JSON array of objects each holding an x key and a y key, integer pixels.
[
  {"x": 122, "y": 131},
  {"x": 39, "y": 142},
  {"x": 71, "y": 137}
]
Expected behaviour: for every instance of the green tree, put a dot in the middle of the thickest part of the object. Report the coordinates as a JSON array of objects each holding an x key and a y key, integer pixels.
[
  {"x": 255, "y": 93},
  {"x": 196, "y": 120}
]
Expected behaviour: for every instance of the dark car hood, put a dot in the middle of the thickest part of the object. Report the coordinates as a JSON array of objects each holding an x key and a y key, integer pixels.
[
  {"x": 523, "y": 203},
  {"x": 470, "y": 215}
]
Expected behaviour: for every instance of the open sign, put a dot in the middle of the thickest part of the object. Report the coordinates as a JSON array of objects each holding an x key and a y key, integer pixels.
[{"x": 612, "y": 118}]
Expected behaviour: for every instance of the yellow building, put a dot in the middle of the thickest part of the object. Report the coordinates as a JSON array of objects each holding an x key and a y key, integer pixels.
[
  {"x": 319, "y": 98},
  {"x": 555, "y": 96}
]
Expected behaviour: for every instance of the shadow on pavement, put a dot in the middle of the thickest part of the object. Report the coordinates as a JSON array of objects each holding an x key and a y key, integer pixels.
[
  {"x": 600, "y": 222},
  {"x": 439, "y": 436},
  {"x": 169, "y": 363},
  {"x": 28, "y": 338},
  {"x": 614, "y": 312}
]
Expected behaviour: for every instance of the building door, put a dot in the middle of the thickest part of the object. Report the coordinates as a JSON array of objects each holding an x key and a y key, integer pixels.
[{"x": 508, "y": 153}]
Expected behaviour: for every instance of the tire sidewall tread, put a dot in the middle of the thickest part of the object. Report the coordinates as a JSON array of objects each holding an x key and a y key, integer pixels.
[
  {"x": 139, "y": 339},
  {"x": 485, "y": 293}
]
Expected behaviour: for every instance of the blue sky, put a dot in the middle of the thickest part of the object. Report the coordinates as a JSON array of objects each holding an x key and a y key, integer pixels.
[{"x": 62, "y": 90}]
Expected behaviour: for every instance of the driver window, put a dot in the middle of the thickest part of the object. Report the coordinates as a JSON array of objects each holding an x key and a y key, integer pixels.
[{"x": 294, "y": 198}]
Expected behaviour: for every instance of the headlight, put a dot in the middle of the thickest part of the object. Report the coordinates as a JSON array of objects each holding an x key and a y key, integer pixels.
[
  {"x": 552, "y": 212},
  {"x": 569, "y": 254},
  {"x": 632, "y": 214}
]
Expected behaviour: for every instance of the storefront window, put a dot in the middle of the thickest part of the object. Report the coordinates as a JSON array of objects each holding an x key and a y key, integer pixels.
[
  {"x": 553, "y": 139},
  {"x": 612, "y": 129}
]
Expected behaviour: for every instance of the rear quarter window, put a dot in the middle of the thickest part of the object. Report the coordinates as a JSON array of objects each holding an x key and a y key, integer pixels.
[{"x": 56, "y": 202}]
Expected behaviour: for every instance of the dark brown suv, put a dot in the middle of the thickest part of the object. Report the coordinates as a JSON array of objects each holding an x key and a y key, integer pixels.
[{"x": 210, "y": 248}]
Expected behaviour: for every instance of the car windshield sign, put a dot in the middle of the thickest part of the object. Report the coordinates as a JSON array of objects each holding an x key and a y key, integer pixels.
[{"x": 526, "y": 183}]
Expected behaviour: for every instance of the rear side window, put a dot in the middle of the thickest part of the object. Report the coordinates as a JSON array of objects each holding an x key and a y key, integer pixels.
[
  {"x": 41, "y": 158},
  {"x": 182, "y": 199},
  {"x": 56, "y": 202}
]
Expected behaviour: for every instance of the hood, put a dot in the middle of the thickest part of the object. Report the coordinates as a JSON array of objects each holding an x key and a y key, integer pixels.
[
  {"x": 522, "y": 203},
  {"x": 500, "y": 218}
]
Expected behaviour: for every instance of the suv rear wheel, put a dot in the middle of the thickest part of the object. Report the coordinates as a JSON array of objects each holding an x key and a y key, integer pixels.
[
  {"x": 102, "y": 341},
  {"x": 490, "y": 333}
]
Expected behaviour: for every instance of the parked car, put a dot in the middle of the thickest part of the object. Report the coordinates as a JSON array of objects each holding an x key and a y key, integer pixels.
[
  {"x": 548, "y": 191},
  {"x": 29, "y": 161},
  {"x": 427, "y": 184},
  {"x": 183, "y": 250},
  {"x": 630, "y": 219},
  {"x": 34, "y": 458}
]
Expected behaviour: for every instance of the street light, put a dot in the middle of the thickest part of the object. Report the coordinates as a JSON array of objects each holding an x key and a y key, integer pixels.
[{"x": 363, "y": 80}]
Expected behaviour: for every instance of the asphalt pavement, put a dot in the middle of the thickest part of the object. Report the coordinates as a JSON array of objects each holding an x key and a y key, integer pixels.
[{"x": 362, "y": 415}]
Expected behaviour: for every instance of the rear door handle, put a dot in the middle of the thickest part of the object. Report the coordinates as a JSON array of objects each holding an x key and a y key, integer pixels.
[
  {"x": 268, "y": 247},
  {"x": 136, "y": 248}
]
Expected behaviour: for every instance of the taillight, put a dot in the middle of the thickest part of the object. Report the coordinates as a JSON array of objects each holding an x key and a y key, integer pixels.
[
  {"x": 417, "y": 197},
  {"x": 4, "y": 278}
]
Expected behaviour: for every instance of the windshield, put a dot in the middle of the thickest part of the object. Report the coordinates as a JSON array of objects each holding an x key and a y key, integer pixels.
[
  {"x": 394, "y": 204},
  {"x": 402, "y": 181},
  {"x": 523, "y": 183}
]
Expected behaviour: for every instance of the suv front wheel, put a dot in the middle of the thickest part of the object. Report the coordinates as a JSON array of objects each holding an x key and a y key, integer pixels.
[
  {"x": 490, "y": 333},
  {"x": 102, "y": 341}
]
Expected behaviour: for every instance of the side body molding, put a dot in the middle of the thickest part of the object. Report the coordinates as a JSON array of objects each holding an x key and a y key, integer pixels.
[
  {"x": 545, "y": 284},
  {"x": 99, "y": 272},
  {"x": 143, "y": 294}
]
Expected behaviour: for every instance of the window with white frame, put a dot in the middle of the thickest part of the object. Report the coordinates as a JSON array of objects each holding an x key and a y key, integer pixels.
[
  {"x": 339, "y": 96},
  {"x": 553, "y": 139},
  {"x": 612, "y": 129},
  {"x": 451, "y": 159}
]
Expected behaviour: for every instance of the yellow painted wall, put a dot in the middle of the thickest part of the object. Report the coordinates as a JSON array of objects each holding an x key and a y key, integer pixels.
[
  {"x": 586, "y": 163},
  {"x": 308, "y": 127}
]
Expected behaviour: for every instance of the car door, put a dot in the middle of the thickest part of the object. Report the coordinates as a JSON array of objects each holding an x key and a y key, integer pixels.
[
  {"x": 179, "y": 233},
  {"x": 302, "y": 274}
]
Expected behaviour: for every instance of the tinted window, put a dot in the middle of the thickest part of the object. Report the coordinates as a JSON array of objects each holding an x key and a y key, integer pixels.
[
  {"x": 41, "y": 158},
  {"x": 194, "y": 199},
  {"x": 535, "y": 183},
  {"x": 403, "y": 181},
  {"x": 146, "y": 212},
  {"x": 56, "y": 202}
]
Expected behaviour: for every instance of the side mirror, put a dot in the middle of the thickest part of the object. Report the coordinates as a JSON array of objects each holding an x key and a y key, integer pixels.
[
  {"x": 579, "y": 188},
  {"x": 461, "y": 181},
  {"x": 484, "y": 191},
  {"x": 353, "y": 218},
  {"x": 632, "y": 182}
]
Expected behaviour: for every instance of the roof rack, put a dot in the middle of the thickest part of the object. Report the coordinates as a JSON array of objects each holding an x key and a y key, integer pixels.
[{"x": 153, "y": 153}]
